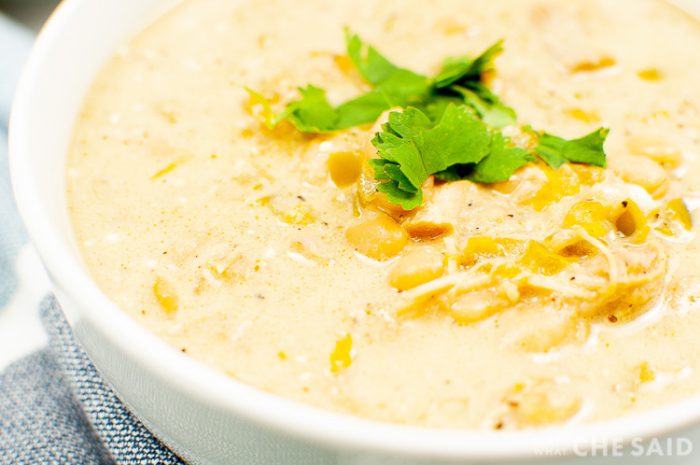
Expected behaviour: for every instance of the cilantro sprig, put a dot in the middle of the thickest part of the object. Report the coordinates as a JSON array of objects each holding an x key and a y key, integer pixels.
[
  {"x": 588, "y": 149},
  {"x": 449, "y": 126},
  {"x": 459, "y": 146},
  {"x": 393, "y": 86},
  {"x": 412, "y": 149},
  {"x": 462, "y": 146},
  {"x": 463, "y": 77}
]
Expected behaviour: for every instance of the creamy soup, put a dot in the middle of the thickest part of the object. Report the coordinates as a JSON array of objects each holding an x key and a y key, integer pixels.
[{"x": 276, "y": 255}]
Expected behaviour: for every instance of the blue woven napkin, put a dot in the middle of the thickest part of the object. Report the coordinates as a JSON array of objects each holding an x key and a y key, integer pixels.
[{"x": 55, "y": 408}]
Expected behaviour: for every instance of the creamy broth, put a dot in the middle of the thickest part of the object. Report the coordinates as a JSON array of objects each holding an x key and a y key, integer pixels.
[{"x": 231, "y": 242}]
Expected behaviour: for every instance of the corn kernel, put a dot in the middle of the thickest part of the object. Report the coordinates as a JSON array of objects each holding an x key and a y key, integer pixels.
[
  {"x": 163, "y": 171},
  {"x": 560, "y": 183},
  {"x": 417, "y": 267},
  {"x": 539, "y": 259},
  {"x": 368, "y": 195},
  {"x": 657, "y": 149},
  {"x": 674, "y": 218},
  {"x": 506, "y": 271},
  {"x": 260, "y": 107},
  {"x": 582, "y": 115},
  {"x": 344, "y": 168},
  {"x": 646, "y": 374},
  {"x": 300, "y": 215},
  {"x": 544, "y": 403},
  {"x": 646, "y": 173},
  {"x": 548, "y": 327},
  {"x": 426, "y": 231},
  {"x": 592, "y": 66},
  {"x": 341, "y": 357},
  {"x": 590, "y": 215},
  {"x": 344, "y": 64},
  {"x": 301, "y": 248},
  {"x": 166, "y": 295},
  {"x": 506, "y": 187},
  {"x": 650, "y": 74},
  {"x": 481, "y": 247},
  {"x": 587, "y": 175},
  {"x": 476, "y": 306},
  {"x": 680, "y": 213},
  {"x": 450, "y": 26},
  {"x": 579, "y": 248},
  {"x": 381, "y": 201},
  {"x": 632, "y": 222},
  {"x": 379, "y": 238}
]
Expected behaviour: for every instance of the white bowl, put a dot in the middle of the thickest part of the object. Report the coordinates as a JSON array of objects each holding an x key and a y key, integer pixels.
[{"x": 204, "y": 416}]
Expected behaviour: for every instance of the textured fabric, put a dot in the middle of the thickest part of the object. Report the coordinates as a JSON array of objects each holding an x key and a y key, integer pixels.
[
  {"x": 41, "y": 420},
  {"x": 56, "y": 409}
]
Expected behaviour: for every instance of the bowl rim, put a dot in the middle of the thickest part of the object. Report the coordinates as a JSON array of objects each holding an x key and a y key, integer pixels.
[{"x": 209, "y": 387}]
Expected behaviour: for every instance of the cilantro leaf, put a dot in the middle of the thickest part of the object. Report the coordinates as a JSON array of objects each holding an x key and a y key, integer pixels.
[
  {"x": 435, "y": 107},
  {"x": 491, "y": 109},
  {"x": 503, "y": 161},
  {"x": 556, "y": 151},
  {"x": 393, "y": 86},
  {"x": 392, "y": 172},
  {"x": 397, "y": 187},
  {"x": 313, "y": 112},
  {"x": 412, "y": 148},
  {"x": 463, "y": 76},
  {"x": 421, "y": 150},
  {"x": 460, "y": 137},
  {"x": 407, "y": 200},
  {"x": 362, "y": 110},
  {"x": 453, "y": 173},
  {"x": 398, "y": 84},
  {"x": 407, "y": 124},
  {"x": 371, "y": 64},
  {"x": 500, "y": 164},
  {"x": 464, "y": 69},
  {"x": 449, "y": 127}
]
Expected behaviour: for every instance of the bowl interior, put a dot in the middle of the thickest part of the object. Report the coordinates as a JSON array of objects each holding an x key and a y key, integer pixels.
[
  {"x": 69, "y": 53},
  {"x": 67, "y": 58}
]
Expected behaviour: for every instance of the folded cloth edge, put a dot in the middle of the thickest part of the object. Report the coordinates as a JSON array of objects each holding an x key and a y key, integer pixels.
[
  {"x": 130, "y": 442},
  {"x": 60, "y": 409}
]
